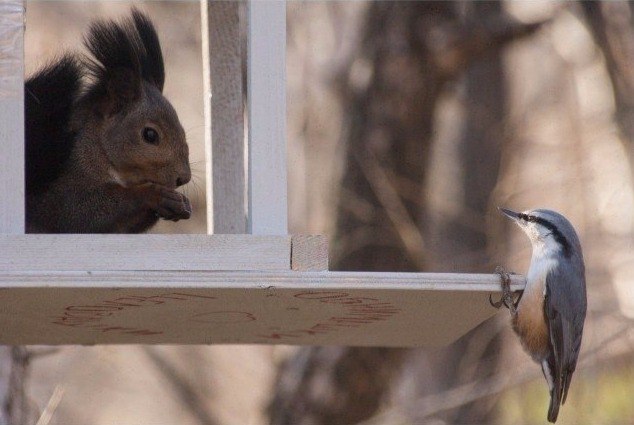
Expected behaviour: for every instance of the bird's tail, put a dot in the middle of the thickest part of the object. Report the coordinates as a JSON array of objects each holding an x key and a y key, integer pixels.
[
  {"x": 553, "y": 409},
  {"x": 555, "y": 402}
]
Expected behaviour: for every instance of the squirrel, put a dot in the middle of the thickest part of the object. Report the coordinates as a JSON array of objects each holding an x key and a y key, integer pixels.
[{"x": 104, "y": 150}]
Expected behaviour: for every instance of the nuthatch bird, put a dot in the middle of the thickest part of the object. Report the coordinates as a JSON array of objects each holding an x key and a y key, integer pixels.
[{"x": 549, "y": 315}]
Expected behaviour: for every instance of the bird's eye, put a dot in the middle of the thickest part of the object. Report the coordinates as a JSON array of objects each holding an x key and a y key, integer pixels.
[
  {"x": 150, "y": 136},
  {"x": 523, "y": 216}
]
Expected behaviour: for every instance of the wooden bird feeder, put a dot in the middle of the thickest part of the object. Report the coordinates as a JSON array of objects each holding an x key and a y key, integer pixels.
[{"x": 247, "y": 281}]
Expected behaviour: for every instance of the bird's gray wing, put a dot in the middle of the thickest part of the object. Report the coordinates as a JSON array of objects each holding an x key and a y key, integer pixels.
[{"x": 564, "y": 310}]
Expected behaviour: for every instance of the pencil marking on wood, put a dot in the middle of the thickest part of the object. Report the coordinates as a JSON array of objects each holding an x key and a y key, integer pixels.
[
  {"x": 90, "y": 316},
  {"x": 224, "y": 317},
  {"x": 358, "y": 311}
]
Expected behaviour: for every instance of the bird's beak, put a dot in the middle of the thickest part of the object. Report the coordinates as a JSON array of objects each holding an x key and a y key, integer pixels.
[{"x": 510, "y": 214}]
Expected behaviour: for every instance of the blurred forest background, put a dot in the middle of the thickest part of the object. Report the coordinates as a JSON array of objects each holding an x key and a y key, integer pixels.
[{"x": 408, "y": 123}]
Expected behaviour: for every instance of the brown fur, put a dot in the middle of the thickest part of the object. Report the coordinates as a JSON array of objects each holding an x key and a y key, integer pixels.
[{"x": 113, "y": 180}]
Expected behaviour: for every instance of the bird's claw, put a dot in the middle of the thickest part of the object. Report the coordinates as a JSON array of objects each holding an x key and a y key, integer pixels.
[
  {"x": 496, "y": 304},
  {"x": 507, "y": 298}
]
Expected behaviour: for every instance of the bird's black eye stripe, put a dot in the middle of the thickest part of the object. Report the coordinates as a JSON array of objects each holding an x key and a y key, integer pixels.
[{"x": 559, "y": 237}]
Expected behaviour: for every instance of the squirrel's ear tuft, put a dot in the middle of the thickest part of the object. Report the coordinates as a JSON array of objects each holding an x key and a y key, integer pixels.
[
  {"x": 152, "y": 67},
  {"x": 124, "y": 55},
  {"x": 114, "y": 66}
]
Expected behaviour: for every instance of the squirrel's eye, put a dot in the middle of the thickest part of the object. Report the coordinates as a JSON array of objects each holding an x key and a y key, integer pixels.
[{"x": 150, "y": 136}]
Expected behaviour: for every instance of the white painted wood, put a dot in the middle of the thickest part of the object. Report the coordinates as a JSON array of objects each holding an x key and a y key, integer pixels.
[
  {"x": 204, "y": 36},
  {"x": 318, "y": 308},
  {"x": 144, "y": 252},
  {"x": 224, "y": 117},
  {"x": 12, "y": 116},
  {"x": 267, "y": 117}
]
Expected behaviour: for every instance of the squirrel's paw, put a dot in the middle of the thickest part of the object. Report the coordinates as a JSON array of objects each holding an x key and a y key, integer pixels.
[{"x": 173, "y": 206}]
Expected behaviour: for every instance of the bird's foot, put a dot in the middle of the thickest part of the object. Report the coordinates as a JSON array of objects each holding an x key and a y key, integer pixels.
[{"x": 508, "y": 298}]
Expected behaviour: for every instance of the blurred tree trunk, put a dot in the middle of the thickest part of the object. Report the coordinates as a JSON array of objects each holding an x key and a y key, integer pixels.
[
  {"x": 16, "y": 408},
  {"x": 409, "y": 51},
  {"x": 5, "y": 370},
  {"x": 389, "y": 92},
  {"x": 461, "y": 239},
  {"x": 612, "y": 26}
]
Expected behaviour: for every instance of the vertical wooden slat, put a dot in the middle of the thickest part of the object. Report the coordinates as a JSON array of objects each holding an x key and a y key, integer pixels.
[
  {"x": 224, "y": 116},
  {"x": 11, "y": 116},
  {"x": 267, "y": 116}
]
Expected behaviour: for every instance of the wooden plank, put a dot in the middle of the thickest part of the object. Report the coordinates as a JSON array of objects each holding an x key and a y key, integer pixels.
[
  {"x": 12, "y": 116},
  {"x": 309, "y": 253},
  {"x": 144, "y": 252},
  {"x": 224, "y": 117},
  {"x": 319, "y": 308},
  {"x": 267, "y": 117}
]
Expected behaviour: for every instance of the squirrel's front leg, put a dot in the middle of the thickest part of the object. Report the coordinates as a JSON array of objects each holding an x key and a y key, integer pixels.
[{"x": 165, "y": 202}]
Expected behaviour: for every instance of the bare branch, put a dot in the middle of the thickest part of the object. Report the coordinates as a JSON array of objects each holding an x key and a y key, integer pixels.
[
  {"x": 467, "y": 393},
  {"x": 390, "y": 200},
  {"x": 51, "y": 406},
  {"x": 181, "y": 386},
  {"x": 454, "y": 47}
]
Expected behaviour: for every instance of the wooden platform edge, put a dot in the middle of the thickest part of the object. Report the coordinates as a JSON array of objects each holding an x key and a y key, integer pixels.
[
  {"x": 291, "y": 307},
  {"x": 309, "y": 253},
  {"x": 257, "y": 280}
]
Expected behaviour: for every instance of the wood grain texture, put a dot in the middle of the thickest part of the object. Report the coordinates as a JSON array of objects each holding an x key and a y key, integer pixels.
[
  {"x": 309, "y": 253},
  {"x": 224, "y": 116},
  {"x": 144, "y": 252},
  {"x": 301, "y": 308},
  {"x": 267, "y": 117},
  {"x": 12, "y": 116}
]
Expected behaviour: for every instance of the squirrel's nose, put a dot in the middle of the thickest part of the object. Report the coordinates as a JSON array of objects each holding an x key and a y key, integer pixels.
[{"x": 183, "y": 178}]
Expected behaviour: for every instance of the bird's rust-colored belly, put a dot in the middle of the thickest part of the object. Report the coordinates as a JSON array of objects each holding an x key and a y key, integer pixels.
[{"x": 530, "y": 323}]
